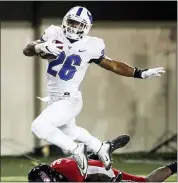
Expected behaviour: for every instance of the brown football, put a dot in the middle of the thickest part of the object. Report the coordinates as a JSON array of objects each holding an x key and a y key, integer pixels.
[
  {"x": 59, "y": 42},
  {"x": 47, "y": 56}
]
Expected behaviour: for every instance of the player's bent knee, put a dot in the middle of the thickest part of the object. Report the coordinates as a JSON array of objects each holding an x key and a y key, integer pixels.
[
  {"x": 35, "y": 128},
  {"x": 40, "y": 129}
]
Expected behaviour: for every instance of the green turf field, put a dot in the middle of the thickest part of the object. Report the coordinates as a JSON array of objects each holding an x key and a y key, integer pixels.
[{"x": 16, "y": 169}]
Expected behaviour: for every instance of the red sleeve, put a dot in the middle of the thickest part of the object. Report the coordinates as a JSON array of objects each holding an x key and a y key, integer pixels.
[
  {"x": 95, "y": 163},
  {"x": 68, "y": 168},
  {"x": 130, "y": 177}
]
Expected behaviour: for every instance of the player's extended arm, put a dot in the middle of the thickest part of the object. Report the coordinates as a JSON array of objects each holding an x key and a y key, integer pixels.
[
  {"x": 162, "y": 173},
  {"x": 124, "y": 69}
]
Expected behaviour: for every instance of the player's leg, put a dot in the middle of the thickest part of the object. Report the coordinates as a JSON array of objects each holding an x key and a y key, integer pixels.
[
  {"x": 45, "y": 127},
  {"x": 80, "y": 134},
  {"x": 117, "y": 143},
  {"x": 162, "y": 173}
]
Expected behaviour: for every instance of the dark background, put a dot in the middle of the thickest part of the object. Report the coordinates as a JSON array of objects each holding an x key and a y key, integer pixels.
[{"x": 108, "y": 10}]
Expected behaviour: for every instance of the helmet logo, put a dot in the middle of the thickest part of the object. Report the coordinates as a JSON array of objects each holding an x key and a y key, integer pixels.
[{"x": 79, "y": 11}]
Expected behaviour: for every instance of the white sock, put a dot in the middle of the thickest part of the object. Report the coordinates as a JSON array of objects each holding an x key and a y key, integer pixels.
[{"x": 85, "y": 137}]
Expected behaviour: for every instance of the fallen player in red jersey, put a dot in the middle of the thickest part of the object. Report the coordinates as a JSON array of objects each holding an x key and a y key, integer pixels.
[
  {"x": 66, "y": 170},
  {"x": 96, "y": 172}
]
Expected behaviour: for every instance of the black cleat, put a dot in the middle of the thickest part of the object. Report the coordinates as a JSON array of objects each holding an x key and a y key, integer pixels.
[
  {"x": 116, "y": 143},
  {"x": 119, "y": 142}
]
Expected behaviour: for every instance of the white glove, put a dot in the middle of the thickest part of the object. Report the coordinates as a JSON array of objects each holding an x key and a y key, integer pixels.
[
  {"x": 152, "y": 72},
  {"x": 48, "y": 47}
]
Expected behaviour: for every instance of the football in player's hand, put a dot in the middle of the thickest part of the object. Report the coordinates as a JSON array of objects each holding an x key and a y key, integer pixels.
[
  {"x": 61, "y": 44},
  {"x": 47, "y": 56},
  {"x": 50, "y": 56}
]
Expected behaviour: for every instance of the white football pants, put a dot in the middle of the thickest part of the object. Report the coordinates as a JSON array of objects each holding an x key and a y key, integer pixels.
[{"x": 56, "y": 125}]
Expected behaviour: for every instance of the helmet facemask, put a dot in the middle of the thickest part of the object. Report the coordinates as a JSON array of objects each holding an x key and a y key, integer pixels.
[{"x": 75, "y": 27}]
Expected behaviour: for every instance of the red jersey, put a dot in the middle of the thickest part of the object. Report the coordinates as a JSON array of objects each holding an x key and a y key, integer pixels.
[{"x": 69, "y": 169}]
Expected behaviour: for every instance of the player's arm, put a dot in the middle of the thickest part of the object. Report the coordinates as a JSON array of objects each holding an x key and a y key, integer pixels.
[
  {"x": 117, "y": 67},
  {"x": 124, "y": 69},
  {"x": 30, "y": 50},
  {"x": 43, "y": 46},
  {"x": 120, "y": 67}
]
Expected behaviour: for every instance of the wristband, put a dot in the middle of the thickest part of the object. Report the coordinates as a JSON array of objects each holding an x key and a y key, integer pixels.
[
  {"x": 173, "y": 167},
  {"x": 138, "y": 73}
]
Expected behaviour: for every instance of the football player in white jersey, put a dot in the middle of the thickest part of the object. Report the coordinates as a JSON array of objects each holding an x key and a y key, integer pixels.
[{"x": 70, "y": 51}]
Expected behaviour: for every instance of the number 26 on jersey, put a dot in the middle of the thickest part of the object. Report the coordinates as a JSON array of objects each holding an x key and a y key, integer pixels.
[{"x": 68, "y": 69}]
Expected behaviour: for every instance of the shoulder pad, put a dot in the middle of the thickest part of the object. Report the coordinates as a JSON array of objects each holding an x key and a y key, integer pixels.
[
  {"x": 96, "y": 47},
  {"x": 95, "y": 40}
]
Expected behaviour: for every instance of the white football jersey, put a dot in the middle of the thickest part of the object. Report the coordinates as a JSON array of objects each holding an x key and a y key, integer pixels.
[{"x": 66, "y": 72}]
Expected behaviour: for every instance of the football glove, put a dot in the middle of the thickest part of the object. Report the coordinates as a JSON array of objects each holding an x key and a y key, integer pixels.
[
  {"x": 48, "y": 47},
  {"x": 148, "y": 73}
]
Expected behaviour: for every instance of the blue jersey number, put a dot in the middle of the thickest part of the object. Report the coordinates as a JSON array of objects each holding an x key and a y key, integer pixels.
[{"x": 68, "y": 69}]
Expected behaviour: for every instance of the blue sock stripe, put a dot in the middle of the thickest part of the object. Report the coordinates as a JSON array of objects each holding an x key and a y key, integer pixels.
[{"x": 79, "y": 11}]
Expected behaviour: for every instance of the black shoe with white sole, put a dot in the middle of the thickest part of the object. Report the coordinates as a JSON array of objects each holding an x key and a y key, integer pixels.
[{"x": 118, "y": 142}]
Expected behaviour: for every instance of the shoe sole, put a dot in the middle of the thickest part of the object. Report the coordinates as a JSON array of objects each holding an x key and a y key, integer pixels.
[{"x": 119, "y": 142}]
